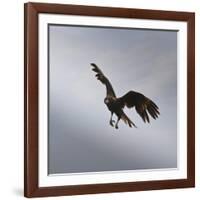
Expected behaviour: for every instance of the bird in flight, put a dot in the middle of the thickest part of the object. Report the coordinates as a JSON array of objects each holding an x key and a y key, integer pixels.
[{"x": 143, "y": 105}]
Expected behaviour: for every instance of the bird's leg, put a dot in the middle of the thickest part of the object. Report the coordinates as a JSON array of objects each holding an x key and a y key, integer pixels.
[
  {"x": 111, "y": 120},
  {"x": 116, "y": 125}
]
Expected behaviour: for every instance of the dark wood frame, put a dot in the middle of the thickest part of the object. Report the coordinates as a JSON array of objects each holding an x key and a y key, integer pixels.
[{"x": 31, "y": 188}]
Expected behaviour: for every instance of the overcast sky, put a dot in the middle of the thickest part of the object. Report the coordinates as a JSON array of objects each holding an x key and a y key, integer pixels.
[{"x": 80, "y": 137}]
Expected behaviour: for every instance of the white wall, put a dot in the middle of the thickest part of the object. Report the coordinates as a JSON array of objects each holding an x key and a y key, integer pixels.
[{"x": 11, "y": 101}]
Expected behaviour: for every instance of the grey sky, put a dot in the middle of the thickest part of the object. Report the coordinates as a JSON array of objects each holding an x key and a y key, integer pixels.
[{"x": 80, "y": 137}]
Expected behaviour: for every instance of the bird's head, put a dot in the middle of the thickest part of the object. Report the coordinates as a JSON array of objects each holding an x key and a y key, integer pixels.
[{"x": 106, "y": 101}]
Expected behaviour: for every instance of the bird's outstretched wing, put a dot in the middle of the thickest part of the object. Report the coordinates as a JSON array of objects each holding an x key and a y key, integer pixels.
[
  {"x": 143, "y": 105},
  {"x": 100, "y": 76}
]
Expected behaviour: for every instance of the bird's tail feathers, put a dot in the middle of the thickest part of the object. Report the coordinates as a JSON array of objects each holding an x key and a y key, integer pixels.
[{"x": 126, "y": 120}]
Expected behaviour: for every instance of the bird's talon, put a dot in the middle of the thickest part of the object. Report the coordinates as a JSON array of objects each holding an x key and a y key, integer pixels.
[{"x": 111, "y": 122}]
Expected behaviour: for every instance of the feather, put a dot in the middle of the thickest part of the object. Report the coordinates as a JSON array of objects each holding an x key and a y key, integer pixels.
[
  {"x": 127, "y": 120},
  {"x": 143, "y": 105},
  {"x": 101, "y": 77}
]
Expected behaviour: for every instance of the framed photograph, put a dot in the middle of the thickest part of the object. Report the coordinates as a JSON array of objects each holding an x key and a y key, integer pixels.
[{"x": 109, "y": 99}]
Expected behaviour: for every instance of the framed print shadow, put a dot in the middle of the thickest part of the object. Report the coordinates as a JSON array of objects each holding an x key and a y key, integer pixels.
[{"x": 109, "y": 100}]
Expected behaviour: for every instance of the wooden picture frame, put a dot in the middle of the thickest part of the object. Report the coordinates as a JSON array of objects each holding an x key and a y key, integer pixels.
[{"x": 31, "y": 102}]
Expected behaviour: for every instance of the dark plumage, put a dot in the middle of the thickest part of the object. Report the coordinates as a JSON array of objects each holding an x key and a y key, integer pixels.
[{"x": 143, "y": 105}]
